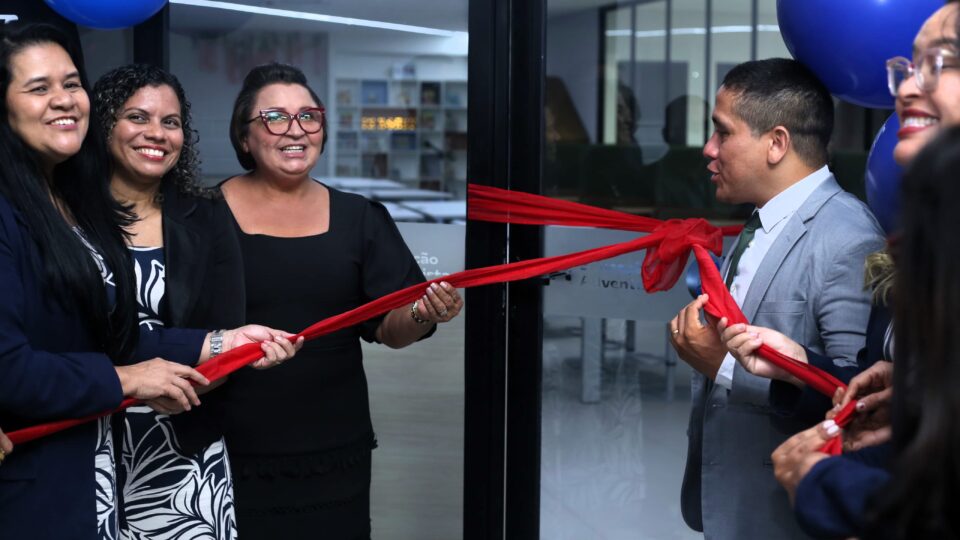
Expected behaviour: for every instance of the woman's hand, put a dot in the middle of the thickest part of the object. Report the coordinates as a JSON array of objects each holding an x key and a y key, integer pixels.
[
  {"x": 6, "y": 446},
  {"x": 441, "y": 303},
  {"x": 793, "y": 459},
  {"x": 275, "y": 344},
  {"x": 743, "y": 341},
  {"x": 873, "y": 389},
  {"x": 164, "y": 386}
]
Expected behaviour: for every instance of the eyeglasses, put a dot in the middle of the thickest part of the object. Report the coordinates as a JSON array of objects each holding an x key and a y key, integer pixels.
[
  {"x": 278, "y": 121},
  {"x": 926, "y": 69}
]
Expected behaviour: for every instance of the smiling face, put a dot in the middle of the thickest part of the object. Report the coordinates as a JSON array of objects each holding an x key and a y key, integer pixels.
[
  {"x": 47, "y": 106},
  {"x": 737, "y": 157},
  {"x": 923, "y": 114},
  {"x": 293, "y": 154},
  {"x": 147, "y": 139}
]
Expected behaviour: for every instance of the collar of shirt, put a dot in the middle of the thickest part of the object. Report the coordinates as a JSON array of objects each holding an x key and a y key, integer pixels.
[{"x": 785, "y": 203}]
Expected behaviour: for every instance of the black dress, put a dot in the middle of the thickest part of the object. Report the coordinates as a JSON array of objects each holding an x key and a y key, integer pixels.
[{"x": 300, "y": 435}]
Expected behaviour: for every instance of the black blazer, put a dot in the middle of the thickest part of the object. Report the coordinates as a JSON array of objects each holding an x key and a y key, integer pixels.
[{"x": 204, "y": 289}]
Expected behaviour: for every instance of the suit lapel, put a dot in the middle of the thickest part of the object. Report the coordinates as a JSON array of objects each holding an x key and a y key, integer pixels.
[{"x": 793, "y": 231}]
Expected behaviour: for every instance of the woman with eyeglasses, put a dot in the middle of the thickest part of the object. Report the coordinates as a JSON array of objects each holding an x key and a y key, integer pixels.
[
  {"x": 833, "y": 494},
  {"x": 300, "y": 438}
]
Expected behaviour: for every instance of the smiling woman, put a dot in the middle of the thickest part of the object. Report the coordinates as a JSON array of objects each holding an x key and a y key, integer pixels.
[
  {"x": 49, "y": 107},
  {"x": 188, "y": 274},
  {"x": 67, "y": 292}
]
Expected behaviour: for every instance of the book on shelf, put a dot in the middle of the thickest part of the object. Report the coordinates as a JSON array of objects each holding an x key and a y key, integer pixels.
[
  {"x": 373, "y": 92},
  {"x": 345, "y": 120},
  {"x": 430, "y": 94},
  {"x": 428, "y": 120}
]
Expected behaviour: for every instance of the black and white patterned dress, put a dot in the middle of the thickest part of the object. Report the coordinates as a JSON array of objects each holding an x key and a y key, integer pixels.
[
  {"x": 106, "y": 471},
  {"x": 168, "y": 495}
]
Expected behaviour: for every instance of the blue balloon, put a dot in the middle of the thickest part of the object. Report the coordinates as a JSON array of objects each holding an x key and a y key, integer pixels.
[
  {"x": 692, "y": 277},
  {"x": 847, "y": 42},
  {"x": 107, "y": 14},
  {"x": 883, "y": 176}
]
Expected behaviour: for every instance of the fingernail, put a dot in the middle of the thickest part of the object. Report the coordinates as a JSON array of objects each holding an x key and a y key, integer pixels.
[
  {"x": 434, "y": 286},
  {"x": 861, "y": 405},
  {"x": 278, "y": 339},
  {"x": 831, "y": 427}
]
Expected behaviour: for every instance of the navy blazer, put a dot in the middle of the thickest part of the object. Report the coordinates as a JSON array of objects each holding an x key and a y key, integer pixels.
[
  {"x": 50, "y": 368},
  {"x": 832, "y": 499}
]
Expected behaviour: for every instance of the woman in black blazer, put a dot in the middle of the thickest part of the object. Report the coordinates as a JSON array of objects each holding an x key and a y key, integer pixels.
[{"x": 174, "y": 470}]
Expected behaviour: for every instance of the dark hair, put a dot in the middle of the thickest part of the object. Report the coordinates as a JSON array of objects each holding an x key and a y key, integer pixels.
[
  {"x": 256, "y": 80},
  {"x": 918, "y": 502},
  {"x": 68, "y": 267},
  {"x": 118, "y": 85},
  {"x": 780, "y": 92}
]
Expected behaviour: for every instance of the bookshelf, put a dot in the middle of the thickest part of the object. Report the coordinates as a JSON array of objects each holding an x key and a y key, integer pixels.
[{"x": 407, "y": 130}]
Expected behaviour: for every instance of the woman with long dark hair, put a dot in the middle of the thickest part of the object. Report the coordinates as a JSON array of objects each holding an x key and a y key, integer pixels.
[
  {"x": 66, "y": 284},
  {"x": 68, "y": 313},
  {"x": 920, "y": 499}
]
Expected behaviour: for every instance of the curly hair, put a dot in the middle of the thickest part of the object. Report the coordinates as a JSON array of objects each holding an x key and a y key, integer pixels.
[{"x": 113, "y": 90}]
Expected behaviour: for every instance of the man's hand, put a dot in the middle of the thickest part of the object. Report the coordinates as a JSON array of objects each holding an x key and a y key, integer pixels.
[{"x": 697, "y": 344}]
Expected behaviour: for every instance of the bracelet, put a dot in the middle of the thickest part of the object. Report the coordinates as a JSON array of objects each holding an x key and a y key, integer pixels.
[
  {"x": 216, "y": 343},
  {"x": 415, "y": 315}
]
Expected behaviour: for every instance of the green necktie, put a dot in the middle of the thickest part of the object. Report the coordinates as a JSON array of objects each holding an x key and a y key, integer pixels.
[{"x": 749, "y": 229}]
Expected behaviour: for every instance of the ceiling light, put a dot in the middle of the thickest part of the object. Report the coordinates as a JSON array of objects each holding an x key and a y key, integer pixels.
[{"x": 318, "y": 17}]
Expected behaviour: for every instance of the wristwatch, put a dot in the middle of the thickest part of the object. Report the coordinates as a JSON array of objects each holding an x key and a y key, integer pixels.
[{"x": 216, "y": 343}]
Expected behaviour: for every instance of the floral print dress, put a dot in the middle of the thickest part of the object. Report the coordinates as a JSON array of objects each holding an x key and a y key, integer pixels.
[{"x": 166, "y": 494}]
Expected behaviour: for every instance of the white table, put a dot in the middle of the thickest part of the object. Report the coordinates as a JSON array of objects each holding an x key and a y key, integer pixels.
[
  {"x": 403, "y": 195},
  {"x": 362, "y": 184},
  {"x": 440, "y": 211}
]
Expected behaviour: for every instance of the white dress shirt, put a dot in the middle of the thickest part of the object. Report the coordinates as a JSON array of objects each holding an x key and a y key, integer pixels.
[{"x": 773, "y": 218}]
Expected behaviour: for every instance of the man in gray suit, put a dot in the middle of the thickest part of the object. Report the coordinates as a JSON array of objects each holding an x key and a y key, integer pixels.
[{"x": 796, "y": 268}]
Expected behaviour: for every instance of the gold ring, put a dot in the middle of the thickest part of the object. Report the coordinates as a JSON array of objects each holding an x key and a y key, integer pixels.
[{"x": 3, "y": 455}]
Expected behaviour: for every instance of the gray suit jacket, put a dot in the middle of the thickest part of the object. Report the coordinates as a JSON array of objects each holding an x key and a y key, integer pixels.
[{"x": 809, "y": 286}]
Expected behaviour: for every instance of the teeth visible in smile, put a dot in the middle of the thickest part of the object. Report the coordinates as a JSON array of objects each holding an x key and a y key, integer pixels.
[
  {"x": 919, "y": 121},
  {"x": 64, "y": 122},
  {"x": 293, "y": 148},
  {"x": 151, "y": 152}
]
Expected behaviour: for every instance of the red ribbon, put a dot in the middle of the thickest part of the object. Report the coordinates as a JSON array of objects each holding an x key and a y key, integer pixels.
[{"x": 668, "y": 246}]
